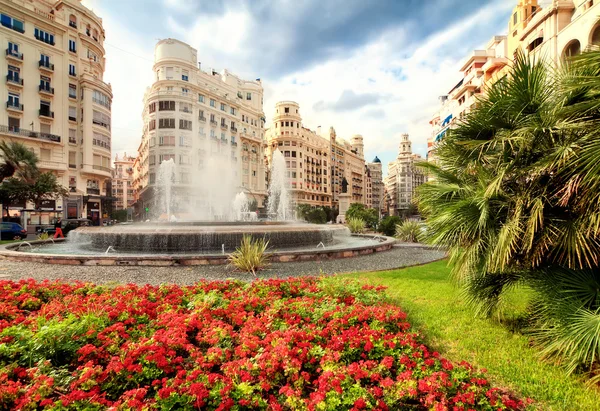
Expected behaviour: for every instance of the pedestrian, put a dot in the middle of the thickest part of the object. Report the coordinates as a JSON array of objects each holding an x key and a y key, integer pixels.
[{"x": 57, "y": 226}]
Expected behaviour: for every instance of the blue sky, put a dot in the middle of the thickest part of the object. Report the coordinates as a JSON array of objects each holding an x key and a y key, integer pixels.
[{"x": 372, "y": 67}]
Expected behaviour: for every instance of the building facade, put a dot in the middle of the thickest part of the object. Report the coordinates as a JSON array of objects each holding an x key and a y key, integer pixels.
[
  {"x": 306, "y": 155},
  {"x": 122, "y": 183},
  {"x": 377, "y": 186},
  {"x": 555, "y": 32},
  {"x": 57, "y": 104},
  {"x": 404, "y": 176},
  {"x": 316, "y": 164},
  {"x": 210, "y": 124}
]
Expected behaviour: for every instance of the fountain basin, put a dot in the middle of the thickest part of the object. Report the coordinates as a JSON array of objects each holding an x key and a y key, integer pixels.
[
  {"x": 202, "y": 237},
  {"x": 50, "y": 252}
]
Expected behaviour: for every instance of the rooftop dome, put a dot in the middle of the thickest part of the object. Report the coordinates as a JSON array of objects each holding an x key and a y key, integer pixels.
[{"x": 376, "y": 160}]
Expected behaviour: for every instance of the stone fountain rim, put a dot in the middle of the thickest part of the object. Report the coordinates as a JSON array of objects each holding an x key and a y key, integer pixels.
[{"x": 7, "y": 252}]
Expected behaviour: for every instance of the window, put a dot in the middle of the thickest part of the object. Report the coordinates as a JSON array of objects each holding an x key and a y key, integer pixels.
[
  {"x": 233, "y": 110},
  {"x": 166, "y": 141},
  {"x": 44, "y": 36},
  {"x": 185, "y": 75},
  {"x": 248, "y": 96},
  {"x": 185, "y": 124},
  {"x": 45, "y": 61},
  {"x": 169, "y": 73},
  {"x": 151, "y": 159},
  {"x": 72, "y": 136},
  {"x": 14, "y": 74},
  {"x": 152, "y": 178},
  {"x": 13, "y": 50},
  {"x": 14, "y": 124},
  {"x": 515, "y": 18},
  {"x": 72, "y": 113},
  {"x": 185, "y": 91},
  {"x": 73, "y": 21},
  {"x": 184, "y": 177},
  {"x": 13, "y": 99},
  {"x": 152, "y": 108},
  {"x": 200, "y": 98},
  {"x": 72, "y": 46},
  {"x": 101, "y": 119},
  {"x": 213, "y": 103},
  {"x": 101, "y": 140},
  {"x": 222, "y": 107},
  {"x": 152, "y": 125},
  {"x": 212, "y": 118},
  {"x": 166, "y": 123},
  {"x": 100, "y": 98},
  {"x": 152, "y": 142},
  {"x": 72, "y": 159},
  {"x": 72, "y": 70},
  {"x": 184, "y": 159},
  {"x": 166, "y": 106},
  {"x": 92, "y": 56},
  {"x": 72, "y": 91},
  {"x": 184, "y": 141},
  {"x": 287, "y": 110},
  {"x": 185, "y": 107},
  {"x": 166, "y": 157},
  {"x": 45, "y": 83},
  {"x": 16, "y": 25}
]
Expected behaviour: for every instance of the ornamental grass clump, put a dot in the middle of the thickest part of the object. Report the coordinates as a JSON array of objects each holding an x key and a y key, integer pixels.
[
  {"x": 250, "y": 256},
  {"x": 356, "y": 225},
  {"x": 295, "y": 344},
  {"x": 409, "y": 231}
]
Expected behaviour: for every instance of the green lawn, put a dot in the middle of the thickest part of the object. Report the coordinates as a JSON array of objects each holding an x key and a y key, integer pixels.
[{"x": 435, "y": 308}]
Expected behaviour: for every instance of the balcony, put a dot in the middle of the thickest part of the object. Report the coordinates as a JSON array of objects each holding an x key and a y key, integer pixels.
[
  {"x": 93, "y": 191},
  {"x": 14, "y": 55},
  {"x": 213, "y": 137},
  {"x": 224, "y": 126},
  {"x": 233, "y": 129},
  {"x": 234, "y": 144},
  {"x": 73, "y": 24},
  {"x": 213, "y": 123},
  {"x": 46, "y": 113},
  {"x": 14, "y": 106},
  {"x": 45, "y": 65},
  {"x": 101, "y": 168},
  {"x": 202, "y": 118},
  {"x": 14, "y": 80},
  {"x": 46, "y": 89},
  {"x": 31, "y": 134},
  {"x": 223, "y": 141}
]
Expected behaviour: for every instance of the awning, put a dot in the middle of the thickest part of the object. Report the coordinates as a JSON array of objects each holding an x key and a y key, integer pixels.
[
  {"x": 447, "y": 120},
  {"x": 441, "y": 135}
]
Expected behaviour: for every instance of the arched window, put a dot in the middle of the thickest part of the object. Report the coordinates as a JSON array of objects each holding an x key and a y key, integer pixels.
[
  {"x": 573, "y": 49},
  {"x": 596, "y": 35},
  {"x": 95, "y": 34},
  {"x": 73, "y": 21}
]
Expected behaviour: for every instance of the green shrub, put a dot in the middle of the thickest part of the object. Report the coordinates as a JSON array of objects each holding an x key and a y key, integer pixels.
[
  {"x": 356, "y": 225},
  {"x": 409, "y": 231},
  {"x": 317, "y": 216},
  {"x": 250, "y": 255},
  {"x": 387, "y": 225},
  {"x": 368, "y": 215}
]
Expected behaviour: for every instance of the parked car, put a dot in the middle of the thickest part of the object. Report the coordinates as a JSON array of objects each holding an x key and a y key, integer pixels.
[
  {"x": 12, "y": 231},
  {"x": 68, "y": 225}
]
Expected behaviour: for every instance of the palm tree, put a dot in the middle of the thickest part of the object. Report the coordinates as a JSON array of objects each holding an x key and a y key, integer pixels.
[
  {"x": 18, "y": 161},
  {"x": 516, "y": 202}
]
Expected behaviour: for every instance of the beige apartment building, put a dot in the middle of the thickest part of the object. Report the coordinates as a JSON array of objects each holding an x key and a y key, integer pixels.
[
  {"x": 553, "y": 32},
  {"x": 377, "y": 187},
  {"x": 210, "y": 124},
  {"x": 306, "y": 155},
  {"x": 403, "y": 178},
  {"x": 122, "y": 182},
  {"x": 57, "y": 104},
  {"x": 317, "y": 164}
]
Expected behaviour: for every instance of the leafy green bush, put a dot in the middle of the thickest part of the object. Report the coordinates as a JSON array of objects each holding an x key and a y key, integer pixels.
[
  {"x": 317, "y": 216},
  {"x": 356, "y": 225},
  {"x": 250, "y": 255},
  {"x": 387, "y": 225},
  {"x": 368, "y": 215},
  {"x": 409, "y": 231}
]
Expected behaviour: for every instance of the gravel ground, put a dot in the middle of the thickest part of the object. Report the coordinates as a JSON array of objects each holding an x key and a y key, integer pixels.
[{"x": 399, "y": 256}]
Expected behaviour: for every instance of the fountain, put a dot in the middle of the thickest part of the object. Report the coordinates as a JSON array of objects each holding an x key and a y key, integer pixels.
[{"x": 185, "y": 233}]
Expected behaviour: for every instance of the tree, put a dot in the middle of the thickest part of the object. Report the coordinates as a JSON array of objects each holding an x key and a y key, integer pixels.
[
  {"x": 17, "y": 160},
  {"x": 119, "y": 215},
  {"x": 516, "y": 201},
  {"x": 387, "y": 225},
  {"x": 360, "y": 211},
  {"x": 45, "y": 186}
]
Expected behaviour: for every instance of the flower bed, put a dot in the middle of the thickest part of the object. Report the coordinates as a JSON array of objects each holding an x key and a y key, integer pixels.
[{"x": 294, "y": 344}]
